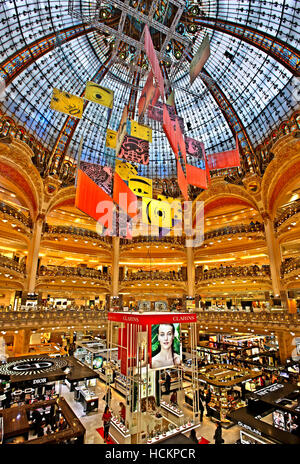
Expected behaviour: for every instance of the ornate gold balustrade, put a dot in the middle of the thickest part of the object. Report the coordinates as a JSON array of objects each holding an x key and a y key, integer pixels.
[
  {"x": 11, "y": 265},
  {"x": 242, "y": 320},
  {"x": 287, "y": 213},
  {"x": 240, "y": 272},
  {"x": 177, "y": 242},
  {"x": 216, "y": 321},
  {"x": 50, "y": 231},
  {"x": 78, "y": 272},
  {"x": 290, "y": 267},
  {"x": 153, "y": 275},
  {"x": 51, "y": 319}
]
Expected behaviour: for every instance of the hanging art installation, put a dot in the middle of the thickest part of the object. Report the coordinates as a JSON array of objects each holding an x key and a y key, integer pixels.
[
  {"x": 200, "y": 58},
  {"x": 66, "y": 103},
  {"x": 97, "y": 94}
]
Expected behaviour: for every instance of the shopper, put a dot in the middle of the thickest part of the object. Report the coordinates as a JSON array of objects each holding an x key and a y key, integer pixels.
[
  {"x": 201, "y": 406},
  {"x": 62, "y": 425},
  {"x": 207, "y": 401},
  {"x": 173, "y": 399},
  {"x": 122, "y": 412},
  {"x": 193, "y": 436},
  {"x": 218, "y": 434},
  {"x": 106, "y": 422},
  {"x": 167, "y": 383}
]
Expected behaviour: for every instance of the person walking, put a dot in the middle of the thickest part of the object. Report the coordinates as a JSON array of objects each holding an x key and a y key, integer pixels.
[
  {"x": 201, "y": 406},
  {"x": 106, "y": 422},
  {"x": 193, "y": 436},
  {"x": 218, "y": 434},
  {"x": 167, "y": 383}
]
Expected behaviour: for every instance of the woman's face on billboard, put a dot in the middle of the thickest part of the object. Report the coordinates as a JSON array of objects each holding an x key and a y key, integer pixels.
[{"x": 165, "y": 336}]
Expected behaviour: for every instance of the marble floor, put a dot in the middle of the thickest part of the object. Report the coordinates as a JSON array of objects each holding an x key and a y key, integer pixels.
[{"x": 93, "y": 420}]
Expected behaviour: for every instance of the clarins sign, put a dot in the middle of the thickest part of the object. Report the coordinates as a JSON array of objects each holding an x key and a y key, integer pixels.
[{"x": 152, "y": 318}]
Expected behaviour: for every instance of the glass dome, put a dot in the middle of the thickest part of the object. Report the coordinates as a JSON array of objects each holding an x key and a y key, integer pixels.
[{"x": 257, "y": 87}]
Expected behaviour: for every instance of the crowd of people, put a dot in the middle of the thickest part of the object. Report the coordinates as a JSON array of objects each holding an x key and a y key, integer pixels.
[
  {"x": 290, "y": 211},
  {"x": 153, "y": 275},
  {"x": 230, "y": 271},
  {"x": 74, "y": 231},
  {"x": 66, "y": 271},
  {"x": 289, "y": 265},
  {"x": 44, "y": 423},
  {"x": 10, "y": 263},
  {"x": 11, "y": 211}
]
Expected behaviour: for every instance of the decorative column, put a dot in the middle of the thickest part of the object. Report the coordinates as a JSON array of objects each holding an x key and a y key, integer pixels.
[
  {"x": 286, "y": 345},
  {"x": 33, "y": 253},
  {"x": 190, "y": 272},
  {"x": 115, "y": 266},
  {"x": 21, "y": 342},
  {"x": 274, "y": 255}
]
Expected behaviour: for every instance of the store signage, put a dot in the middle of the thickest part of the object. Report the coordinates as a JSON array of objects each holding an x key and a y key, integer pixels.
[
  {"x": 247, "y": 427},
  {"x": 149, "y": 319},
  {"x": 32, "y": 365},
  {"x": 39, "y": 381},
  {"x": 269, "y": 389}
]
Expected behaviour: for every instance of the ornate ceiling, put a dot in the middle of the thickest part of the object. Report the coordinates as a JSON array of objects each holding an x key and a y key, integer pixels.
[{"x": 247, "y": 86}]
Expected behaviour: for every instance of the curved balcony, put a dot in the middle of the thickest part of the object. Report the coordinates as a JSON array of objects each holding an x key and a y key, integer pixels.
[
  {"x": 12, "y": 265},
  {"x": 237, "y": 272},
  {"x": 177, "y": 242},
  {"x": 45, "y": 319},
  {"x": 289, "y": 266},
  {"x": 287, "y": 213},
  {"x": 153, "y": 275},
  {"x": 50, "y": 230},
  {"x": 64, "y": 271},
  {"x": 232, "y": 230},
  {"x": 7, "y": 210},
  {"x": 261, "y": 321}
]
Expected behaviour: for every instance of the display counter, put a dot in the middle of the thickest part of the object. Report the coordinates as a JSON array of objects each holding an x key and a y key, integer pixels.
[
  {"x": 87, "y": 398},
  {"x": 118, "y": 432},
  {"x": 245, "y": 419},
  {"x": 80, "y": 373},
  {"x": 121, "y": 384},
  {"x": 172, "y": 413},
  {"x": 172, "y": 432}
]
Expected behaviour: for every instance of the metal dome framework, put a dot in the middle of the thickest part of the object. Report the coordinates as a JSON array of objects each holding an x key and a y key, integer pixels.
[{"x": 247, "y": 86}]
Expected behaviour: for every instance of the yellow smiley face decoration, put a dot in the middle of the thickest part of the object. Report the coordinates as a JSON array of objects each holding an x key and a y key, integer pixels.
[
  {"x": 97, "y": 94},
  {"x": 125, "y": 170},
  {"x": 67, "y": 103},
  {"x": 111, "y": 138},
  {"x": 140, "y": 131},
  {"x": 140, "y": 186},
  {"x": 175, "y": 205},
  {"x": 156, "y": 213}
]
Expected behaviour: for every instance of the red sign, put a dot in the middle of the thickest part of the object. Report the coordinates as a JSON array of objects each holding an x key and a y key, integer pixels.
[{"x": 149, "y": 319}]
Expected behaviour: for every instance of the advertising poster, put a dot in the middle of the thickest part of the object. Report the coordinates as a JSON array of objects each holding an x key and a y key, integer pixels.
[{"x": 166, "y": 350}]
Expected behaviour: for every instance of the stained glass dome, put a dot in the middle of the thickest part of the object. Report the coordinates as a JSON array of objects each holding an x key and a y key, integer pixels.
[{"x": 246, "y": 87}]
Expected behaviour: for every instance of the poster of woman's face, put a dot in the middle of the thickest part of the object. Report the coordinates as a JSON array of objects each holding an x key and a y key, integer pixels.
[{"x": 165, "y": 345}]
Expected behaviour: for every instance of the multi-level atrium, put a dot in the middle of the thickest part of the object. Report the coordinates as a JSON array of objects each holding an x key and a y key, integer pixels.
[{"x": 231, "y": 302}]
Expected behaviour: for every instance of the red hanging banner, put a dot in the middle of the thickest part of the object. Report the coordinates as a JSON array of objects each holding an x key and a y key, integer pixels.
[
  {"x": 151, "y": 55},
  {"x": 93, "y": 201}
]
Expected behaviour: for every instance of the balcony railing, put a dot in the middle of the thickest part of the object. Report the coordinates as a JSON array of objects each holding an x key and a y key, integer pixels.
[
  {"x": 288, "y": 212},
  {"x": 289, "y": 265},
  {"x": 70, "y": 230},
  {"x": 174, "y": 241},
  {"x": 153, "y": 275},
  {"x": 11, "y": 264},
  {"x": 232, "y": 230},
  {"x": 64, "y": 271},
  {"x": 13, "y": 212},
  {"x": 43, "y": 318},
  {"x": 229, "y": 271}
]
